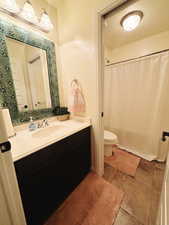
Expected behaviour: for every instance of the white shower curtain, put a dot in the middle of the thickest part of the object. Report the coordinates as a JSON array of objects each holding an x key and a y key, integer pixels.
[{"x": 136, "y": 104}]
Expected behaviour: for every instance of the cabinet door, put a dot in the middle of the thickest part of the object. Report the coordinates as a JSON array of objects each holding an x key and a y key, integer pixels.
[
  {"x": 47, "y": 177},
  {"x": 79, "y": 160},
  {"x": 41, "y": 182}
]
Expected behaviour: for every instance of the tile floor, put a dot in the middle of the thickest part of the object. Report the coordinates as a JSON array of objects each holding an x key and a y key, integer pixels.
[{"x": 142, "y": 192}]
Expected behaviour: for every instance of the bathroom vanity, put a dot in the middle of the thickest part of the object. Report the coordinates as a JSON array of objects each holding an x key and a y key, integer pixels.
[{"x": 47, "y": 175}]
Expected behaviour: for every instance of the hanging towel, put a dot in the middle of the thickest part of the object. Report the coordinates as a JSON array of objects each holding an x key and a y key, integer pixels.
[{"x": 76, "y": 102}]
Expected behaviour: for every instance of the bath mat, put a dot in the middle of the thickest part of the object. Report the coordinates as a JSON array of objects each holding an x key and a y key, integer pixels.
[
  {"x": 123, "y": 161},
  {"x": 94, "y": 202}
]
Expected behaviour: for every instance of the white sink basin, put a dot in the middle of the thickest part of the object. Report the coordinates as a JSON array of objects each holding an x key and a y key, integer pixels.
[{"x": 44, "y": 132}]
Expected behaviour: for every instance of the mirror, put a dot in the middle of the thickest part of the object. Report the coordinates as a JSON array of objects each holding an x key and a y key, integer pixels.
[{"x": 30, "y": 75}]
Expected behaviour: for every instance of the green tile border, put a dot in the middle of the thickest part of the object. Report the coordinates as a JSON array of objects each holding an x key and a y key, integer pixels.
[{"x": 7, "y": 90}]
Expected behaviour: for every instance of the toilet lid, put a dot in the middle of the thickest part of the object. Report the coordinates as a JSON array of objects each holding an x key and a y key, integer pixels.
[{"x": 109, "y": 135}]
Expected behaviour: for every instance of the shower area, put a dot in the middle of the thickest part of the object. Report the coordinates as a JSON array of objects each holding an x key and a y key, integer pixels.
[
  {"x": 136, "y": 104},
  {"x": 135, "y": 43},
  {"x": 136, "y": 79}
]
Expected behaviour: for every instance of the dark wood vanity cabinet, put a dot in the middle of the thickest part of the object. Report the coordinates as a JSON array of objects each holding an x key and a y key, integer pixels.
[{"x": 48, "y": 176}]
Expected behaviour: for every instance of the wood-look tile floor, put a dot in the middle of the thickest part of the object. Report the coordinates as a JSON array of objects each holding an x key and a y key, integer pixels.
[{"x": 142, "y": 192}]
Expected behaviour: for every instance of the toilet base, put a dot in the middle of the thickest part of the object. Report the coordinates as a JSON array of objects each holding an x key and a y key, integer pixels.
[{"x": 108, "y": 150}]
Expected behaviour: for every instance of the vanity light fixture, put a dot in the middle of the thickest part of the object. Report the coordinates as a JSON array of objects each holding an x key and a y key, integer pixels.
[
  {"x": 11, "y": 6},
  {"x": 28, "y": 13},
  {"x": 45, "y": 22},
  {"x": 131, "y": 20}
]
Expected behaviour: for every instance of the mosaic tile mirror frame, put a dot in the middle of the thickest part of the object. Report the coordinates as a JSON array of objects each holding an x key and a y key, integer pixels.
[{"x": 7, "y": 90}]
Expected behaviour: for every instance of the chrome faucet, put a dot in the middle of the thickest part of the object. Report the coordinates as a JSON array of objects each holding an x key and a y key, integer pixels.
[{"x": 43, "y": 124}]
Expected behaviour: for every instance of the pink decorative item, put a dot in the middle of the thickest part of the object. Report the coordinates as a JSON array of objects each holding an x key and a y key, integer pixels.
[{"x": 76, "y": 100}]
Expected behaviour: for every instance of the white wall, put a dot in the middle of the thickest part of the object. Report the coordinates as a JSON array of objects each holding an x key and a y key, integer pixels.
[
  {"x": 78, "y": 52},
  {"x": 139, "y": 48}
]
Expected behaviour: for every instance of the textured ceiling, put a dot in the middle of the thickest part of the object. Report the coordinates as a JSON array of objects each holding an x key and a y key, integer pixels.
[{"x": 155, "y": 20}]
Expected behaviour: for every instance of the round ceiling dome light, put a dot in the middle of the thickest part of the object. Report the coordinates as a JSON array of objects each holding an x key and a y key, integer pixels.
[{"x": 131, "y": 20}]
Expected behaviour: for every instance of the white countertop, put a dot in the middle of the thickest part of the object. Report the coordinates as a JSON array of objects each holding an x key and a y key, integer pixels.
[{"x": 26, "y": 142}]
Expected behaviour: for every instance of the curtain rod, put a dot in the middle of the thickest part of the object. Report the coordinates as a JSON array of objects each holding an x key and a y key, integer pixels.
[{"x": 128, "y": 60}]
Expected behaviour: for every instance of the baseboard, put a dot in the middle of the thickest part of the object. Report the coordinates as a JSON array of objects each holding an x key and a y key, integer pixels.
[{"x": 139, "y": 154}]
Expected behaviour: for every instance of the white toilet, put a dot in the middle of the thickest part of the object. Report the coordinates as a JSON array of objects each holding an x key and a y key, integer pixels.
[{"x": 110, "y": 140}]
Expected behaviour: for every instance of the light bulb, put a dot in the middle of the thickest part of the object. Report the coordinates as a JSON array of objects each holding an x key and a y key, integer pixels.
[
  {"x": 11, "y": 6},
  {"x": 131, "y": 20},
  {"x": 45, "y": 22},
  {"x": 28, "y": 13}
]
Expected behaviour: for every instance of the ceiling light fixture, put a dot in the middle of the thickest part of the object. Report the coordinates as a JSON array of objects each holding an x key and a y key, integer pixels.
[
  {"x": 28, "y": 13},
  {"x": 11, "y": 6},
  {"x": 45, "y": 22},
  {"x": 131, "y": 20}
]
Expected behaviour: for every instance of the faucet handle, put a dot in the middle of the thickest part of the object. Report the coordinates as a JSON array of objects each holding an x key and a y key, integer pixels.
[{"x": 43, "y": 123}]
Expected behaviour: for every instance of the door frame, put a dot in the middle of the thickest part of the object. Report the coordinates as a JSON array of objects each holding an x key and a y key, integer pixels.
[
  {"x": 12, "y": 208},
  {"x": 106, "y": 8}
]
